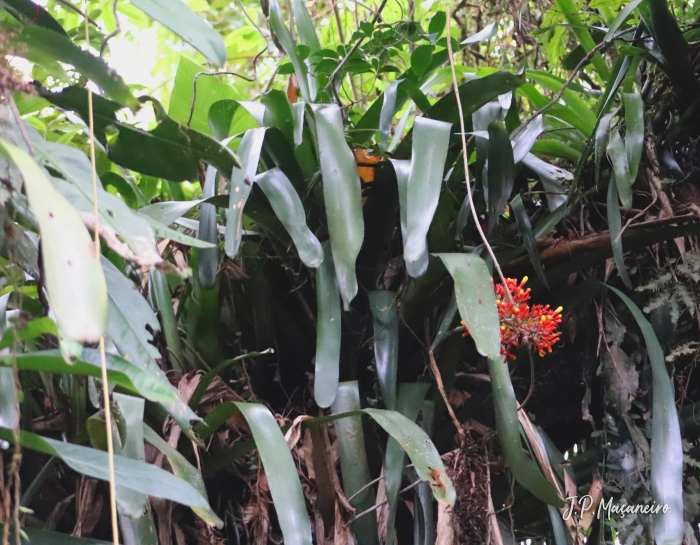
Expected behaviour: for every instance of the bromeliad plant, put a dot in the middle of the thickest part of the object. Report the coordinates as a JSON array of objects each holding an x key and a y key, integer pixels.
[{"x": 247, "y": 283}]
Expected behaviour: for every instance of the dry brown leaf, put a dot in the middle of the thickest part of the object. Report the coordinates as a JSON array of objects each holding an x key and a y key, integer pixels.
[
  {"x": 445, "y": 525},
  {"x": 457, "y": 397},
  {"x": 596, "y": 494},
  {"x": 88, "y": 505},
  {"x": 294, "y": 432},
  {"x": 343, "y": 534},
  {"x": 382, "y": 510}
]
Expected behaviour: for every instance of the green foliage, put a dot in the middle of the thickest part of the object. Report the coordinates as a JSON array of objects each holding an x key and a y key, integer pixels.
[{"x": 324, "y": 163}]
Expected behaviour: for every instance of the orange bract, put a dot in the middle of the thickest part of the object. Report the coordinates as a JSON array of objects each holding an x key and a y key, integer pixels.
[{"x": 521, "y": 323}]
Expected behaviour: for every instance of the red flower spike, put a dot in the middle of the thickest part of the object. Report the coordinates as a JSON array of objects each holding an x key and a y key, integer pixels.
[{"x": 535, "y": 326}]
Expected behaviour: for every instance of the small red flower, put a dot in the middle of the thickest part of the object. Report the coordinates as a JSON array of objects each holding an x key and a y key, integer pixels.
[{"x": 535, "y": 326}]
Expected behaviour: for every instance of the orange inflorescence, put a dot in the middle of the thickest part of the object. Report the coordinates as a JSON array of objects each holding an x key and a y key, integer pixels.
[{"x": 521, "y": 323}]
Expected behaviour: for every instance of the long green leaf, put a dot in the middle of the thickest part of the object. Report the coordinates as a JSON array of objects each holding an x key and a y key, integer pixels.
[
  {"x": 160, "y": 291},
  {"x": 666, "y": 446},
  {"x": 328, "y": 330},
  {"x": 501, "y": 171},
  {"x": 634, "y": 131},
  {"x": 208, "y": 258},
  {"x": 402, "y": 170},
  {"x": 410, "y": 400},
  {"x": 387, "y": 113},
  {"x": 308, "y": 37},
  {"x": 285, "y": 38},
  {"x": 615, "y": 226},
  {"x": 281, "y": 473},
  {"x": 241, "y": 183},
  {"x": 171, "y": 151},
  {"x": 423, "y": 192},
  {"x": 386, "y": 342},
  {"x": 526, "y": 233},
  {"x": 178, "y": 17},
  {"x": 119, "y": 371},
  {"x": 135, "y": 514},
  {"x": 30, "y": 13},
  {"x": 75, "y": 167},
  {"x": 618, "y": 158},
  {"x": 54, "y": 45},
  {"x": 9, "y": 402},
  {"x": 583, "y": 36},
  {"x": 477, "y": 306},
  {"x": 133, "y": 474},
  {"x": 74, "y": 279},
  {"x": 41, "y": 537},
  {"x": 353, "y": 460},
  {"x": 183, "y": 469},
  {"x": 290, "y": 211},
  {"x": 343, "y": 197},
  {"x": 473, "y": 95}
]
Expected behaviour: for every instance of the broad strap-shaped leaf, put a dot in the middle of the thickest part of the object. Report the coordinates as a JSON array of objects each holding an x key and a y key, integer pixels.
[
  {"x": 171, "y": 151},
  {"x": 278, "y": 113},
  {"x": 423, "y": 192},
  {"x": 353, "y": 460},
  {"x": 281, "y": 473},
  {"x": 57, "y": 46},
  {"x": 386, "y": 342},
  {"x": 241, "y": 183},
  {"x": 666, "y": 446},
  {"x": 328, "y": 329},
  {"x": 486, "y": 33},
  {"x": 343, "y": 197},
  {"x": 528, "y": 236},
  {"x": 208, "y": 258},
  {"x": 402, "y": 170},
  {"x": 473, "y": 95},
  {"x": 410, "y": 400},
  {"x": 129, "y": 319},
  {"x": 387, "y": 113},
  {"x": 618, "y": 158},
  {"x": 501, "y": 174},
  {"x": 290, "y": 211},
  {"x": 9, "y": 402},
  {"x": 420, "y": 450},
  {"x": 116, "y": 218},
  {"x": 132, "y": 474},
  {"x": 308, "y": 37},
  {"x": 160, "y": 293},
  {"x": 135, "y": 514},
  {"x": 73, "y": 275},
  {"x": 602, "y": 137},
  {"x": 552, "y": 177},
  {"x": 183, "y": 469},
  {"x": 178, "y": 17},
  {"x": 119, "y": 371},
  {"x": 29, "y": 13},
  {"x": 285, "y": 38},
  {"x": 615, "y": 226},
  {"x": 168, "y": 212},
  {"x": 634, "y": 131},
  {"x": 477, "y": 307},
  {"x": 41, "y": 537}
]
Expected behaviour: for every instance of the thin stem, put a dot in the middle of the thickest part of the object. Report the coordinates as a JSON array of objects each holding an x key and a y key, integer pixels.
[
  {"x": 77, "y": 10},
  {"x": 103, "y": 358},
  {"x": 465, "y": 155},
  {"x": 194, "y": 87},
  {"x": 114, "y": 32},
  {"x": 331, "y": 79},
  {"x": 377, "y": 506}
]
